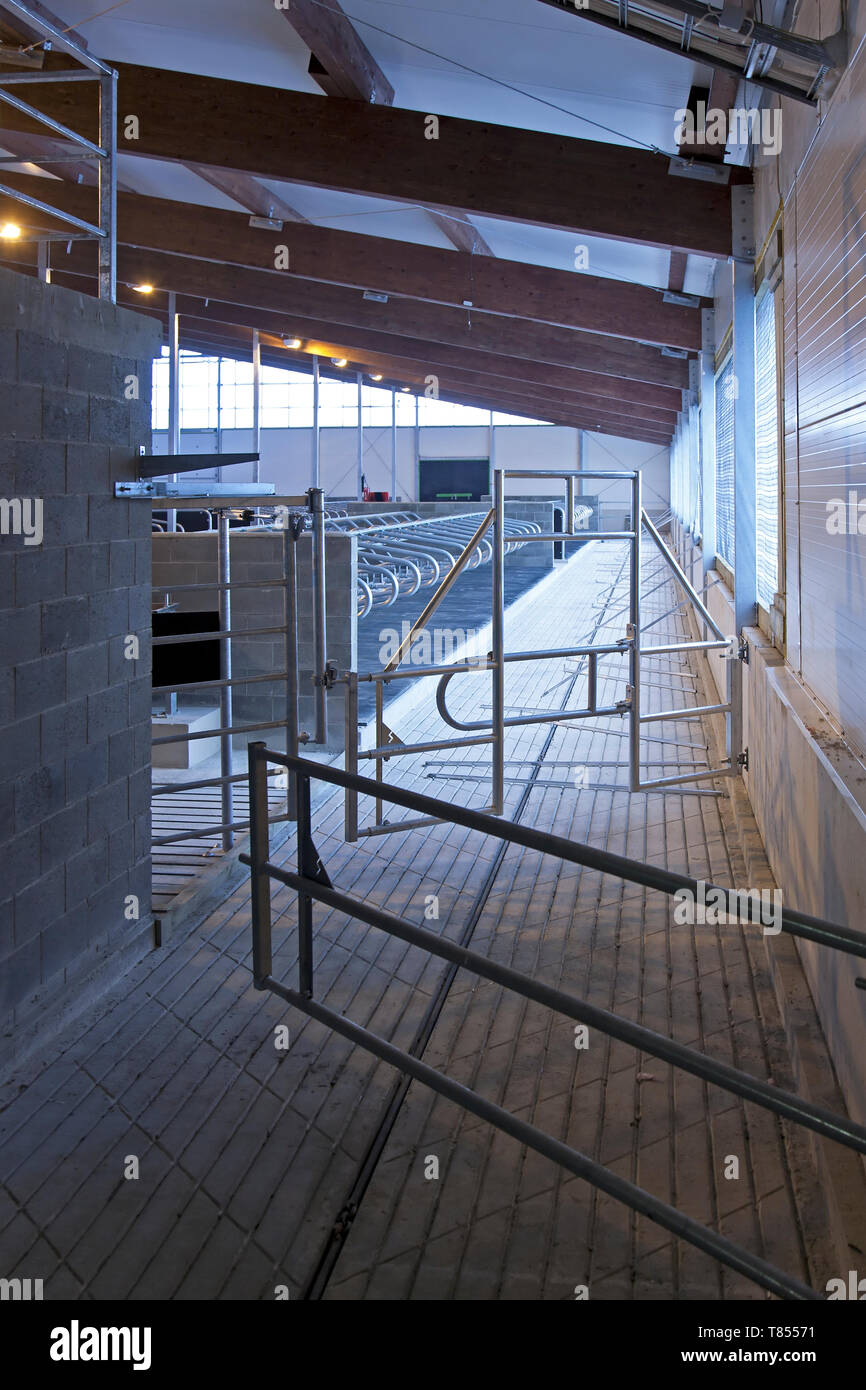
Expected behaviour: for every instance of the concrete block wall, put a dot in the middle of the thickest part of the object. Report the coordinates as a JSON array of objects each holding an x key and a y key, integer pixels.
[
  {"x": 191, "y": 558},
  {"x": 74, "y": 711}
]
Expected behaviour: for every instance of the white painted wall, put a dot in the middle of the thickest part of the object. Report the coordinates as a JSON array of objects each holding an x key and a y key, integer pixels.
[{"x": 287, "y": 458}]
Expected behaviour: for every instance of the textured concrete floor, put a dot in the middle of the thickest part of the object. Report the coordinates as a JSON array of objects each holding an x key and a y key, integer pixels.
[{"x": 247, "y": 1153}]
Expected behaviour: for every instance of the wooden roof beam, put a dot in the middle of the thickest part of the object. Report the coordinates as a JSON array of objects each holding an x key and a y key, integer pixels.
[{"x": 477, "y": 167}]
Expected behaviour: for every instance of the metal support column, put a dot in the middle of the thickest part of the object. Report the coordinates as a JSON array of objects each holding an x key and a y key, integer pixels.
[
  {"x": 259, "y": 856},
  {"x": 498, "y": 640},
  {"x": 257, "y": 402},
  {"x": 43, "y": 257},
  {"x": 316, "y": 499},
  {"x": 360, "y": 382},
  {"x": 107, "y": 189},
  {"x": 393, "y": 444},
  {"x": 316, "y": 456},
  {"x": 708, "y": 443},
  {"x": 225, "y": 620},
  {"x": 290, "y": 570},
  {"x": 351, "y": 805},
  {"x": 173, "y": 390},
  {"x": 634, "y": 633},
  {"x": 745, "y": 484}
]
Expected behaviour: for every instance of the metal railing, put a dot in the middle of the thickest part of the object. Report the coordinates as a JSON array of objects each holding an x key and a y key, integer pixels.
[
  {"x": 104, "y": 151},
  {"x": 400, "y": 553},
  {"x": 312, "y": 884},
  {"x": 291, "y": 524},
  {"x": 492, "y": 731}
]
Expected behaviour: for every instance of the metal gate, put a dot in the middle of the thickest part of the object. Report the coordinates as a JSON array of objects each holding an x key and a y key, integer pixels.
[{"x": 492, "y": 732}]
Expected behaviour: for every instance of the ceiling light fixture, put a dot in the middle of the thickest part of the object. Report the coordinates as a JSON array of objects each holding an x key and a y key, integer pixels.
[
  {"x": 10, "y": 231},
  {"x": 292, "y": 342},
  {"x": 340, "y": 361},
  {"x": 375, "y": 376},
  {"x": 143, "y": 289}
]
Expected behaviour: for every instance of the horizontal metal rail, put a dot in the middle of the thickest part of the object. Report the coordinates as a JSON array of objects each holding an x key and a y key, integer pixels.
[
  {"x": 816, "y": 929},
  {"x": 312, "y": 884}
]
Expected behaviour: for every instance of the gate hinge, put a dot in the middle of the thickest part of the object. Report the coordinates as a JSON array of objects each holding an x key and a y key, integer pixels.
[
  {"x": 743, "y": 652},
  {"x": 743, "y": 760},
  {"x": 329, "y": 679}
]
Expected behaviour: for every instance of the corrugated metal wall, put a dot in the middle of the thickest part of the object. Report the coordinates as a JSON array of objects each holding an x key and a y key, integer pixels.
[{"x": 825, "y": 411}]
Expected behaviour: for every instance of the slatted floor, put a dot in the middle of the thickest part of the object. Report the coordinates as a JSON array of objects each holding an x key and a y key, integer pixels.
[
  {"x": 249, "y": 1154},
  {"x": 177, "y": 865}
]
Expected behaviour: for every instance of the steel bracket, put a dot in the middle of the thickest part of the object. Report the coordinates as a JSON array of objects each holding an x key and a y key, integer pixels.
[{"x": 311, "y": 864}]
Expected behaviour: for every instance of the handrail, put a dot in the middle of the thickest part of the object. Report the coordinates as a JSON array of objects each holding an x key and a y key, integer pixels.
[
  {"x": 817, "y": 929},
  {"x": 311, "y": 882}
]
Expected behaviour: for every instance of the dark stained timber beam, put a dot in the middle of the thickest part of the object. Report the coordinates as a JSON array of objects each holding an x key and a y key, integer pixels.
[
  {"x": 340, "y": 61},
  {"x": 249, "y": 192},
  {"x": 515, "y": 289},
  {"x": 583, "y": 186},
  {"x": 346, "y": 309},
  {"x": 510, "y": 405},
  {"x": 446, "y": 378}
]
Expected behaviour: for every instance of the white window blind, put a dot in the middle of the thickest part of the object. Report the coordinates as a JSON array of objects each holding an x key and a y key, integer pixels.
[
  {"x": 725, "y": 463},
  {"x": 766, "y": 450}
]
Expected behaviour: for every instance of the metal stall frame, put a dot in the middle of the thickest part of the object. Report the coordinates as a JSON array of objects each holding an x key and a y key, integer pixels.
[
  {"x": 492, "y": 732},
  {"x": 104, "y": 231},
  {"x": 292, "y": 523},
  {"x": 312, "y": 884}
]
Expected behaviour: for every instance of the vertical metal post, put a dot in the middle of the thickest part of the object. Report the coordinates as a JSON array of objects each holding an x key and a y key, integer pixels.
[
  {"x": 569, "y": 506},
  {"x": 316, "y": 500},
  {"x": 259, "y": 855},
  {"x": 351, "y": 744},
  {"x": 305, "y": 902},
  {"x": 290, "y": 570},
  {"x": 417, "y": 469},
  {"x": 225, "y": 620},
  {"x": 579, "y": 451},
  {"x": 107, "y": 188},
  {"x": 173, "y": 390},
  {"x": 380, "y": 741},
  {"x": 360, "y": 381},
  {"x": 316, "y": 442},
  {"x": 257, "y": 402},
  {"x": 219, "y": 414},
  {"x": 592, "y": 681},
  {"x": 393, "y": 443},
  {"x": 498, "y": 640},
  {"x": 43, "y": 257},
  {"x": 745, "y": 484},
  {"x": 708, "y": 446},
  {"x": 634, "y": 634}
]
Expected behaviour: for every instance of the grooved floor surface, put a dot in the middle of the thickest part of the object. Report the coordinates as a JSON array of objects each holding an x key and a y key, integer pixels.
[{"x": 247, "y": 1152}]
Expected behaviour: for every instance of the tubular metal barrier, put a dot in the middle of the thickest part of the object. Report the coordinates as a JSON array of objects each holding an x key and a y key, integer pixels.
[
  {"x": 399, "y": 553},
  {"x": 292, "y": 525},
  {"x": 312, "y": 884},
  {"x": 630, "y": 646}
]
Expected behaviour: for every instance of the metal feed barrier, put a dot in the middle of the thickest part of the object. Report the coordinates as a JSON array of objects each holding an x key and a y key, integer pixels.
[
  {"x": 399, "y": 553},
  {"x": 312, "y": 884}
]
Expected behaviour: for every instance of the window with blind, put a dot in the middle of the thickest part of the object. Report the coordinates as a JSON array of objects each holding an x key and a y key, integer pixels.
[
  {"x": 766, "y": 450},
  {"x": 725, "y": 463}
]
